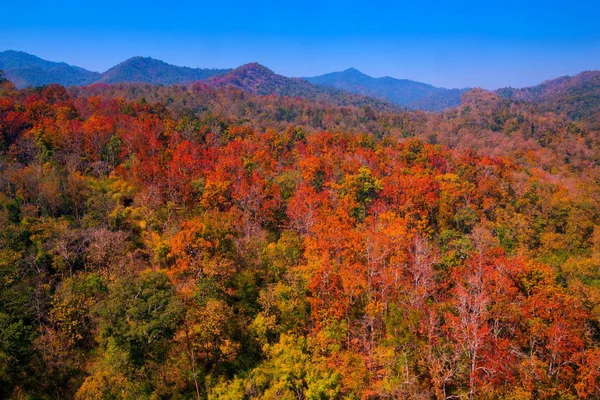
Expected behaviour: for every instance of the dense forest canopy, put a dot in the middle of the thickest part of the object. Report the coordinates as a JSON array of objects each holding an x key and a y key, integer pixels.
[{"x": 193, "y": 242}]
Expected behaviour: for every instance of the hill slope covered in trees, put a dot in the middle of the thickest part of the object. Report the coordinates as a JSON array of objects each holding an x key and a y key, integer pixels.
[
  {"x": 205, "y": 242},
  {"x": 577, "y": 96},
  {"x": 259, "y": 80}
]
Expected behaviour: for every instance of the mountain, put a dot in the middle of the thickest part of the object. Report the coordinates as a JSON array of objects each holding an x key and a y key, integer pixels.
[
  {"x": 28, "y": 70},
  {"x": 149, "y": 70},
  {"x": 258, "y": 79},
  {"x": 403, "y": 92},
  {"x": 577, "y": 96},
  {"x": 350, "y": 87}
]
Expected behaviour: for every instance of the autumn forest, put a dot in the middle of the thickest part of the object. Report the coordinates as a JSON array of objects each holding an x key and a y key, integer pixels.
[{"x": 206, "y": 241}]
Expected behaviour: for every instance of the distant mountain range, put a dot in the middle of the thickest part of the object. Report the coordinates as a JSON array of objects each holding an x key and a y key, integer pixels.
[
  {"x": 149, "y": 70},
  {"x": 577, "y": 96},
  {"x": 260, "y": 80},
  {"x": 402, "y": 92},
  {"x": 26, "y": 70}
]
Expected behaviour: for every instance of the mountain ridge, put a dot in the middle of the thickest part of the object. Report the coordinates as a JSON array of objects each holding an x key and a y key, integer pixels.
[
  {"x": 140, "y": 69},
  {"x": 260, "y": 80},
  {"x": 402, "y": 92},
  {"x": 26, "y": 70},
  {"x": 577, "y": 96}
]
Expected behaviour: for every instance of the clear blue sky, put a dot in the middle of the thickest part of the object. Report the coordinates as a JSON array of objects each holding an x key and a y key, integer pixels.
[{"x": 452, "y": 44}]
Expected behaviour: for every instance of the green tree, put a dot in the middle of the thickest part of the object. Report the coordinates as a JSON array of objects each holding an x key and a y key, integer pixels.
[
  {"x": 289, "y": 372},
  {"x": 140, "y": 316}
]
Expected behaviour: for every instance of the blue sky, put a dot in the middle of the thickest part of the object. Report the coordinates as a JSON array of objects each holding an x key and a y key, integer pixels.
[{"x": 489, "y": 44}]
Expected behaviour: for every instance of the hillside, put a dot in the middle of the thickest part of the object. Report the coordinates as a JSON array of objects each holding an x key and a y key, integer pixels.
[
  {"x": 185, "y": 242},
  {"x": 27, "y": 70},
  {"x": 258, "y": 79},
  {"x": 485, "y": 122},
  {"x": 577, "y": 96},
  {"x": 403, "y": 92},
  {"x": 149, "y": 70}
]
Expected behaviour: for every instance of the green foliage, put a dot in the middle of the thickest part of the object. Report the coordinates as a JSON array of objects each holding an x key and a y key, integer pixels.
[
  {"x": 16, "y": 336},
  {"x": 361, "y": 188},
  {"x": 72, "y": 304},
  {"x": 139, "y": 317},
  {"x": 288, "y": 373}
]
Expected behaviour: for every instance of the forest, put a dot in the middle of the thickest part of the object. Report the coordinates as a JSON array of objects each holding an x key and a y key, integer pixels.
[{"x": 196, "y": 242}]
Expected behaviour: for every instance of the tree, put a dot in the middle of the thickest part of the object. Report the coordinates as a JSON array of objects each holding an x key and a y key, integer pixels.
[
  {"x": 290, "y": 372},
  {"x": 139, "y": 318}
]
